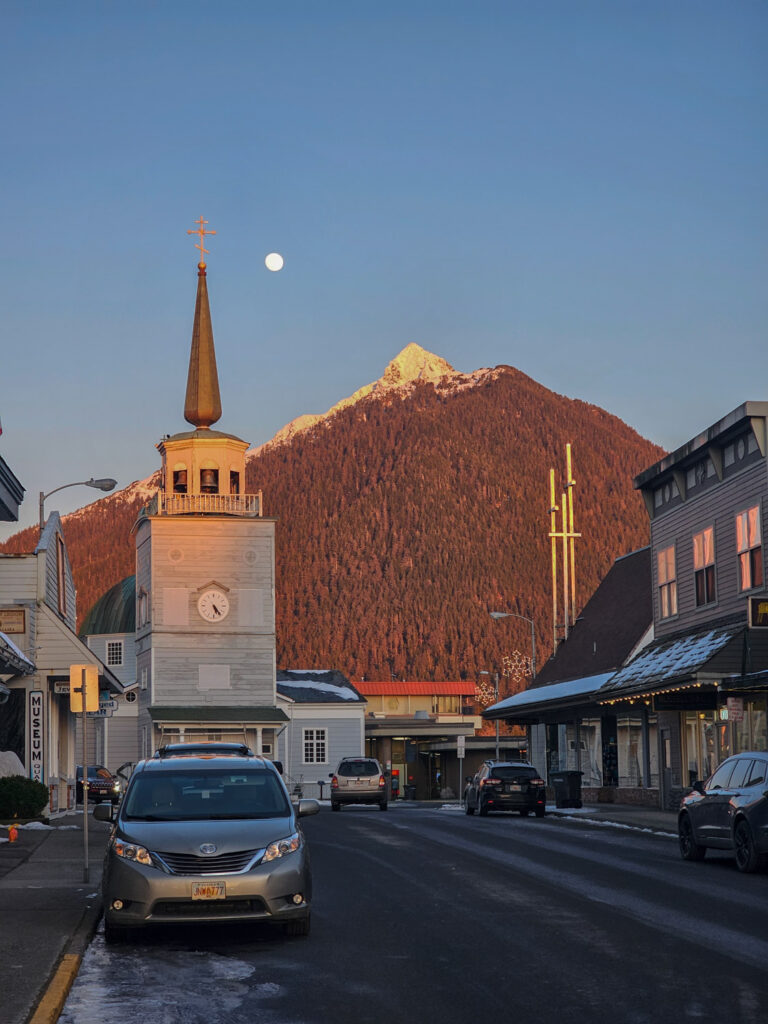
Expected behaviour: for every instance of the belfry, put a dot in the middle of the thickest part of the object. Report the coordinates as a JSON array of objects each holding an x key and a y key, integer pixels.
[{"x": 205, "y": 576}]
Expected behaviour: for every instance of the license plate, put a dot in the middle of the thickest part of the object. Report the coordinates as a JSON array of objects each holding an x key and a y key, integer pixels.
[
  {"x": 209, "y": 891},
  {"x": 513, "y": 787}
]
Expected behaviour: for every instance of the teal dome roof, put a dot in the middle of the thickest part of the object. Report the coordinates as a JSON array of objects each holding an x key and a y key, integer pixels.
[{"x": 114, "y": 612}]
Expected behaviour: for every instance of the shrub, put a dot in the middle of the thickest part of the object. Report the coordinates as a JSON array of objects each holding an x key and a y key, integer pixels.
[{"x": 22, "y": 798}]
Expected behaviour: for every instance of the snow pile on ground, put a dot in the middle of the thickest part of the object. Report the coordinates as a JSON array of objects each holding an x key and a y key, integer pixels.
[{"x": 10, "y": 764}]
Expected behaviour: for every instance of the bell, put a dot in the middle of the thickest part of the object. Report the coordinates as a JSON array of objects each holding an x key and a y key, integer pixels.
[{"x": 209, "y": 480}]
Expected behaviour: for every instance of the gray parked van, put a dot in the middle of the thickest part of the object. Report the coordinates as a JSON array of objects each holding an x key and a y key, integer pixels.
[{"x": 206, "y": 833}]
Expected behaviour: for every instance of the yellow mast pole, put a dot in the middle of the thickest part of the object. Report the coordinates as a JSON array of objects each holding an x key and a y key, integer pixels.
[
  {"x": 553, "y": 510},
  {"x": 566, "y": 594},
  {"x": 570, "y": 483}
]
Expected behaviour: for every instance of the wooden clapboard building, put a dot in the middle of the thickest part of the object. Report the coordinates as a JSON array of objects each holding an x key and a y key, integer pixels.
[{"x": 205, "y": 579}]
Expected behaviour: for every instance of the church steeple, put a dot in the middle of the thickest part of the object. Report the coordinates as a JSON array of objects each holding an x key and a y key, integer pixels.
[{"x": 202, "y": 405}]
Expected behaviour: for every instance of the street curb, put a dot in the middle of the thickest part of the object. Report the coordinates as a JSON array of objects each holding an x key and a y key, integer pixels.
[
  {"x": 54, "y": 997},
  {"x": 610, "y": 823}
]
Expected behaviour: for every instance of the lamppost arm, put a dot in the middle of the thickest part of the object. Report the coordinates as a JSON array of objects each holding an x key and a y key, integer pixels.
[
  {"x": 515, "y": 615},
  {"x": 102, "y": 484}
]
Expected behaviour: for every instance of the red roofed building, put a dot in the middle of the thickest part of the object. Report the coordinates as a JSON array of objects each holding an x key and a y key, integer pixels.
[{"x": 412, "y": 728}]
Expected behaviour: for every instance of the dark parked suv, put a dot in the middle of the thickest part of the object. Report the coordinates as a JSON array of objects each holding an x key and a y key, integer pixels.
[
  {"x": 729, "y": 812},
  {"x": 506, "y": 786},
  {"x": 102, "y": 785}
]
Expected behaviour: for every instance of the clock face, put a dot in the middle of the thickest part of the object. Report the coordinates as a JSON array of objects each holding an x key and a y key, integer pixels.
[{"x": 213, "y": 605}]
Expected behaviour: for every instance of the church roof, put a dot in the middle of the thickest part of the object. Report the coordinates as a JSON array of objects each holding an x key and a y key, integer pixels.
[
  {"x": 114, "y": 612},
  {"x": 202, "y": 405}
]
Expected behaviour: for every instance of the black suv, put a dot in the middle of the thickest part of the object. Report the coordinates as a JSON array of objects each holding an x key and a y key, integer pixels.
[
  {"x": 102, "y": 785},
  {"x": 506, "y": 786},
  {"x": 729, "y": 812}
]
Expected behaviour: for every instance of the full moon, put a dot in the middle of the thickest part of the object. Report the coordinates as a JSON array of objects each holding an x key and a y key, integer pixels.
[{"x": 274, "y": 261}]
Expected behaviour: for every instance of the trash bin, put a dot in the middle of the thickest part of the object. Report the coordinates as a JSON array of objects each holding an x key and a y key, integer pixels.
[
  {"x": 409, "y": 792},
  {"x": 567, "y": 785}
]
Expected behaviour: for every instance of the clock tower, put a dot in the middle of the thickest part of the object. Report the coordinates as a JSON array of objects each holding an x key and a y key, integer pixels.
[{"x": 205, "y": 578}]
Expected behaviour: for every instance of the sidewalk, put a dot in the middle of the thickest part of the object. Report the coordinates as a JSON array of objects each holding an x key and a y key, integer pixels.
[{"x": 48, "y": 913}]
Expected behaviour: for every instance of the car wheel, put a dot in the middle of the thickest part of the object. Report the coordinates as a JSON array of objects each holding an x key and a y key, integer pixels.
[
  {"x": 467, "y": 808},
  {"x": 540, "y": 812},
  {"x": 524, "y": 814},
  {"x": 482, "y": 810},
  {"x": 689, "y": 848},
  {"x": 297, "y": 928},
  {"x": 383, "y": 805},
  {"x": 748, "y": 858},
  {"x": 335, "y": 806}
]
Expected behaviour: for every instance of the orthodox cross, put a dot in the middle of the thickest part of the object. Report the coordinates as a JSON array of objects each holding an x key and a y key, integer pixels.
[{"x": 200, "y": 230}]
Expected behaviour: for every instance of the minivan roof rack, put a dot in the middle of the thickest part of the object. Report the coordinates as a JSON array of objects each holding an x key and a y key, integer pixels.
[{"x": 204, "y": 749}]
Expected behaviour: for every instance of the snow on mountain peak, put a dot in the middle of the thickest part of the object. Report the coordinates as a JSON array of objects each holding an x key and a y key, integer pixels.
[
  {"x": 415, "y": 363},
  {"x": 412, "y": 364}
]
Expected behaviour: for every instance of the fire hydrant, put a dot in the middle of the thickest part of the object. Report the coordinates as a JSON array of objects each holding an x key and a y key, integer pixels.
[{"x": 13, "y": 834}]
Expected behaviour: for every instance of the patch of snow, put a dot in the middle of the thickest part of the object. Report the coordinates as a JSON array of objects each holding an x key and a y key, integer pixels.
[
  {"x": 665, "y": 660},
  {"x": 311, "y": 684},
  {"x": 10, "y": 764},
  {"x": 555, "y": 691}
]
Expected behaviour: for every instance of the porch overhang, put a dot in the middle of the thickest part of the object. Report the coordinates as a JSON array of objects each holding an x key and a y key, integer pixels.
[
  {"x": 531, "y": 704},
  {"x": 679, "y": 664},
  {"x": 13, "y": 662}
]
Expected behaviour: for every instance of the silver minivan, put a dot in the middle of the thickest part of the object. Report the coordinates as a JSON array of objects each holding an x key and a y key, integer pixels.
[
  {"x": 205, "y": 834},
  {"x": 358, "y": 780}
]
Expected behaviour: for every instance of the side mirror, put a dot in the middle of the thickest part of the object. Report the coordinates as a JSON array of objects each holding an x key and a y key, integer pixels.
[
  {"x": 698, "y": 786},
  {"x": 279, "y": 766},
  {"x": 468, "y": 778},
  {"x": 307, "y": 807},
  {"x": 103, "y": 812},
  {"x": 330, "y": 775}
]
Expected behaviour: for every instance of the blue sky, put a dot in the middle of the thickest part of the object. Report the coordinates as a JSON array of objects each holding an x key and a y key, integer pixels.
[{"x": 576, "y": 189}]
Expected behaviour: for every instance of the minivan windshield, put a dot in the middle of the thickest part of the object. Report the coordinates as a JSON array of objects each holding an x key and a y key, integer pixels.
[{"x": 205, "y": 795}]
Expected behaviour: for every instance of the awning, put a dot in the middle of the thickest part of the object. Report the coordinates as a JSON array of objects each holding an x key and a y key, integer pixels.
[
  {"x": 677, "y": 661},
  {"x": 548, "y": 698},
  {"x": 207, "y": 714},
  {"x": 12, "y": 660}
]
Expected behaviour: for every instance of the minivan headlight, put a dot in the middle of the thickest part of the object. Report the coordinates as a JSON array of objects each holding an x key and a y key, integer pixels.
[
  {"x": 129, "y": 851},
  {"x": 282, "y": 847}
]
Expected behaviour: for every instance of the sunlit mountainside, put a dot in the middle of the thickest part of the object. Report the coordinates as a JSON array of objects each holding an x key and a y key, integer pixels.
[{"x": 407, "y": 513}]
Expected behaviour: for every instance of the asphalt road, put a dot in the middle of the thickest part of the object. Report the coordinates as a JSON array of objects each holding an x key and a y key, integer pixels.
[{"x": 423, "y": 914}]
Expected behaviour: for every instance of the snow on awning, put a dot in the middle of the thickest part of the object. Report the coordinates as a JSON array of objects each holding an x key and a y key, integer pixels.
[
  {"x": 554, "y": 693},
  {"x": 12, "y": 660},
  {"x": 670, "y": 661}
]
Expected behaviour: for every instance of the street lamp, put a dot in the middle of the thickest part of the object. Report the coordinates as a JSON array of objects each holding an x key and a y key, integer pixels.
[
  {"x": 103, "y": 484},
  {"x": 514, "y": 615}
]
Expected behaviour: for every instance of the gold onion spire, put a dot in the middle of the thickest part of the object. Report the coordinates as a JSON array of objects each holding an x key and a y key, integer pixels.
[{"x": 202, "y": 405}]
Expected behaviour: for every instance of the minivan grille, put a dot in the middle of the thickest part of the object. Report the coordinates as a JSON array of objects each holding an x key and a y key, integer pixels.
[
  {"x": 209, "y": 908},
  {"x": 191, "y": 864}
]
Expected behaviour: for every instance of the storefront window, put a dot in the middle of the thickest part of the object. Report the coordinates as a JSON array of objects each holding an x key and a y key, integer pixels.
[
  {"x": 653, "y": 749},
  {"x": 700, "y": 744},
  {"x": 749, "y": 732},
  {"x": 630, "y": 744},
  {"x": 591, "y": 752}
]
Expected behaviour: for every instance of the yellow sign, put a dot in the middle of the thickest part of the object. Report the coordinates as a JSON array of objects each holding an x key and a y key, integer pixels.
[
  {"x": 12, "y": 620},
  {"x": 83, "y": 676}
]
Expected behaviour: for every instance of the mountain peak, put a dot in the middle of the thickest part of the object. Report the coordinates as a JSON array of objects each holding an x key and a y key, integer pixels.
[
  {"x": 415, "y": 363},
  {"x": 410, "y": 365}
]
